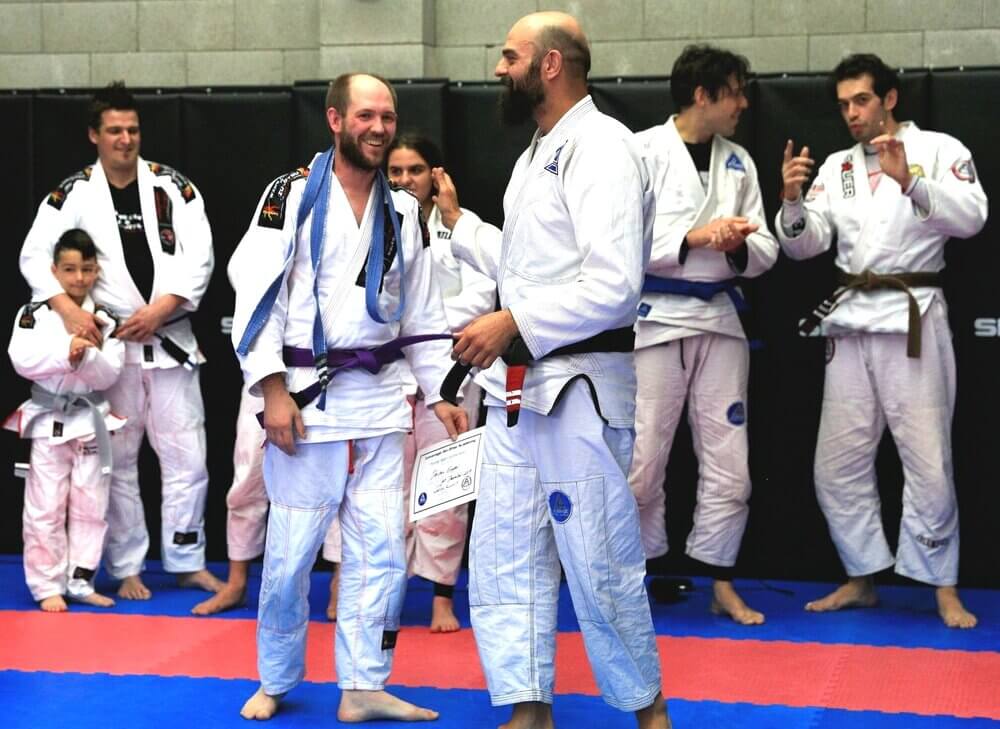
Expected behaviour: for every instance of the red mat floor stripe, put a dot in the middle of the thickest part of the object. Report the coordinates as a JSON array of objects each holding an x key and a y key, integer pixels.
[{"x": 917, "y": 680}]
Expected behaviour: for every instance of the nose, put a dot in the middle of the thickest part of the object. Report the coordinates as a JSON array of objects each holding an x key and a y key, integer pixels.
[{"x": 501, "y": 68}]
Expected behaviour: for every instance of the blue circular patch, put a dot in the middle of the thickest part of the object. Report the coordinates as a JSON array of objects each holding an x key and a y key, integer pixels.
[
  {"x": 736, "y": 414},
  {"x": 560, "y": 506},
  {"x": 422, "y": 499}
]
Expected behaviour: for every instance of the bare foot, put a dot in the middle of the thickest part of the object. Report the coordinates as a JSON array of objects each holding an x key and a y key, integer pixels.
[
  {"x": 726, "y": 601},
  {"x": 530, "y": 715},
  {"x": 654, "y": 716},
  {"x": 202, "y": 580},
  {"x": 358, "y": 706},
  {"x": 951, "y": 609},
  {"x": 230, "y": 596},
  {"x": 331, "y": 607},
  {"x": 132, "y": 588},
  {"x": 261, "y": 706},
  {"x": 857, "y": 592},
  {"x": 443, "y": 618},
  {"x": 54, "y": 604},
  {"x": 96, "y": 599}
]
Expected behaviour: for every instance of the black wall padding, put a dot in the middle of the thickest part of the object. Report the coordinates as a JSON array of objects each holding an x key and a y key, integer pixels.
[{"x": 232, "y": 143}]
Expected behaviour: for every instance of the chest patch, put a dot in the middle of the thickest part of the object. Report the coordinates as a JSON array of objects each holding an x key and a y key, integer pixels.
[
  {"x": 553, "y": 166},
  {"x": 847, "y": 177},
  {"x": 734, "y": 163}
]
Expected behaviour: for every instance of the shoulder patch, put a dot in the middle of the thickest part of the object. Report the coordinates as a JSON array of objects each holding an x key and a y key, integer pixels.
[
  {"x": 272, "y": 212},
  {"x": 27, "y": 318},
  {"x": 183, "y": 184},
  {"x": 58, "y": 196}
]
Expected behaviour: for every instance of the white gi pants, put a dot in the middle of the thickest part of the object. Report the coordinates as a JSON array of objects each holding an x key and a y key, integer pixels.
[
  {"x": 710, "y": 371},
  {"x": 434, "y": 544},
  {"x": 554, "y": 489},
  {"x": 246, "y": 500},
  {"x": 306, "y": 490},
  {"x": 871, "y": 383},
  {"x": 166, "y": 405},
  {"x": 64, "y": 483}
]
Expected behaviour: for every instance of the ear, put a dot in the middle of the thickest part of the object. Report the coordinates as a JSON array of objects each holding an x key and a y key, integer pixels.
[
  {"x": 700, "y": 96},
  {"x": 334, "y": 120},
  {"x": 552, "y": 64},
  {"x": 890, "y": 100},
  {"x": 54, "y": 269},
  {"x": 92, "y": 135}
]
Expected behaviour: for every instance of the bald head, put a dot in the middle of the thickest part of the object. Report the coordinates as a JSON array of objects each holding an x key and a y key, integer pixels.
[
  {"x": 339, "y": 95},
  {"x": 555, "y": 31}
]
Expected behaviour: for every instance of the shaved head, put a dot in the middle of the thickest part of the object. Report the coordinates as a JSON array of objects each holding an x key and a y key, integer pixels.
[{"x": 555, "y": 31}]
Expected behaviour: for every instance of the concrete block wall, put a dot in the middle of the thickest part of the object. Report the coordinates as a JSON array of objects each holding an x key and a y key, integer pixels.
[{"x": 69, "y": 43}]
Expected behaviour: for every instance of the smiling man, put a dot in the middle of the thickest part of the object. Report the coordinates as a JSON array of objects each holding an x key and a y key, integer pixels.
[
  {"x": 154, "y": 248},
  {"x": 332, "y": 267},
  {"x": 891, "y": 202}
]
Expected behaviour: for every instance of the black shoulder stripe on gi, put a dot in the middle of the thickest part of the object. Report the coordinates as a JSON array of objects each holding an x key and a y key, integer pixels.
[
  {"x": 272, "y": 212},
  {"x": 165, "y": 220},
  {"x": 183, "y": 184},
  {"x": 389, "y": 236},
  {"x": 58, "y": 196},
  {"x": 111, "y": 316},
  {"x": 27, "y": 318}
]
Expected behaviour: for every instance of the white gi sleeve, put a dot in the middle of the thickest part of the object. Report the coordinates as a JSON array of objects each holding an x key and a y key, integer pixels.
[
  {"x": 762, "y": 248},
  {"x": 101, "y": 367},
  {"x": 477, "y": 244},
  {"x": 805, "y": 227},
  {"x": 38, "y": 348},
  {"x": 423, "y": 314},
  {"x": 36, "y": 253},
  {"x": 192, "y": 269},
  {"x": 605, "y": 186},
  {"x": 476, "y": 298},
  {"x": 958, "y": 205},
  {"x": 261, "y": 256}
]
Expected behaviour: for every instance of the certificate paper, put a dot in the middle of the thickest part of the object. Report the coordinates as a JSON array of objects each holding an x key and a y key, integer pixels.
[{"x": 446, "y": 474}]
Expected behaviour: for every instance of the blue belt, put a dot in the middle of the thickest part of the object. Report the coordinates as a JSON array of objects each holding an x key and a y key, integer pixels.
[{"x": 705, "y": 291}]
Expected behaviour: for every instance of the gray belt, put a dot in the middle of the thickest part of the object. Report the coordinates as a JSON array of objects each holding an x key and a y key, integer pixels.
[{"x": 72, "y": 403}]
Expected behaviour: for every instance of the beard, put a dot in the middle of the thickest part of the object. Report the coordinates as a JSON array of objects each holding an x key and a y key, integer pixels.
[
  {"x": 519, "y": 99},
  {"x": 350, "y": 150}
]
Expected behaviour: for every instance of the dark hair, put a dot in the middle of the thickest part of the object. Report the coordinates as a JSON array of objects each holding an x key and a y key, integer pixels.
[
  {"x": 419, "y": 144},
  {"x": 75, "y": 239},
  {"x": 884, "y": 79},
  {"x": 708, "y": 67},
  {"x": 574, "y": 51},
  {"x": 338, "y": 96},
  {"x": 112, "y": 96}
]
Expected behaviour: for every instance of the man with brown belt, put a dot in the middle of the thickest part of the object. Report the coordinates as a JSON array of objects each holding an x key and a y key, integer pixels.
[{"x": 892, "y": 201}]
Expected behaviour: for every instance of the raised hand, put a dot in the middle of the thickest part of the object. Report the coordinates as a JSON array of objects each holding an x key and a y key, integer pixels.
[
  {"x": 795, "y": 171},
  {"x": 892, "y": 159}
]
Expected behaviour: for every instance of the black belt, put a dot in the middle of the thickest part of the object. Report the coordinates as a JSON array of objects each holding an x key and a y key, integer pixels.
[
  {"x": 871, "y": 281},
  {"x": 517, "y": 358}
]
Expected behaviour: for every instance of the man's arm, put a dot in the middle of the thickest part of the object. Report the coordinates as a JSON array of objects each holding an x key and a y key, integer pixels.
[
  {"x": 186, "y": 274},
  {"x": 472, "y": 241},
  {"x": 804, "y": 226}
]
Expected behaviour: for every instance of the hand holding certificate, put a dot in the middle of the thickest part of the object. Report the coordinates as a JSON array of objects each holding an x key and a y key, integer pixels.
[{"x": 446, "y": 474}]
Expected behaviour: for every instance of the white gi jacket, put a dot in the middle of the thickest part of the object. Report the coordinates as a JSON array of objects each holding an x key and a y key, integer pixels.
[
  {"x": 39, "y": 351},
  {"x": 180, "y": 242},
  {"x": 358, "y": 404},
  {"x": 576, "y": 239},
  {"x": 885, "y": 231},
  {"x": 682, "y": 204}
]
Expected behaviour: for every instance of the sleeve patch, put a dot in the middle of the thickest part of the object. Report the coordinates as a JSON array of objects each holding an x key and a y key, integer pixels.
[
  {"x": 272, "y": 212},
  {"x": 182, "y": 183},
  {"x": 58, "y": 196},
  {"x": 964, "y": 170}
]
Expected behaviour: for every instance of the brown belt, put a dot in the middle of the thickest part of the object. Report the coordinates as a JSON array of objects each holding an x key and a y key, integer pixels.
[{"x": 871, "y": 281}]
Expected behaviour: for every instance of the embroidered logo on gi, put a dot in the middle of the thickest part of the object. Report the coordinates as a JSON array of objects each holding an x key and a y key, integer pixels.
[
  {"x": 736, "y": 414},
  {"x": 57, "y": 429},
  {"x": 182, "y": 183},
  {"x": 82, "y": 573},
  {"x": 733, "y": 162},
  {"x": 444, "y": 234},
  {"x": 27, "y": 319},
  {"x": 847, "y": 176},
  {"x": 560, "y": 506},
  {"x": 964, "y": 170},
  {"x": 272, "y": 212},
  {"x": 389, "y": 639},
  {"x": 553, "y": 166},
  {"x": 185, "y": 538},
  {"x": 422, "y": 499},
  {"x": 89, "y": 449},
  {"x": 932, "y": 543},
  {"x": 831, "y": 349},
  {"x": 165, "y": 220},
  {"x": 58, "y": 196},
  {"x": 644, "y": 309},
  {"x": 916, "y": 171},
  {"x": 814, "y": 191}
]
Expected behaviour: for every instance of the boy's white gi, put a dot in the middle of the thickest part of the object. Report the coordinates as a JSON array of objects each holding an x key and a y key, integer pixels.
[
  {"x": 696, "y": 350},
  {"x": 870, "y": 382},
  {"x": 154, "y": 392},
  {"x": 361, "y": 427},
  {"x": 65, "y": 480},
  {"x": 578, "y": 227}
]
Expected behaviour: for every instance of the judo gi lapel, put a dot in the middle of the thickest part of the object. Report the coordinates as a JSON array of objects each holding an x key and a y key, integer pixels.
[
  {"x": 682, "y": 165},
  {"x": 109, "y": 240},
  {"x": 854, "y": 184}
]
